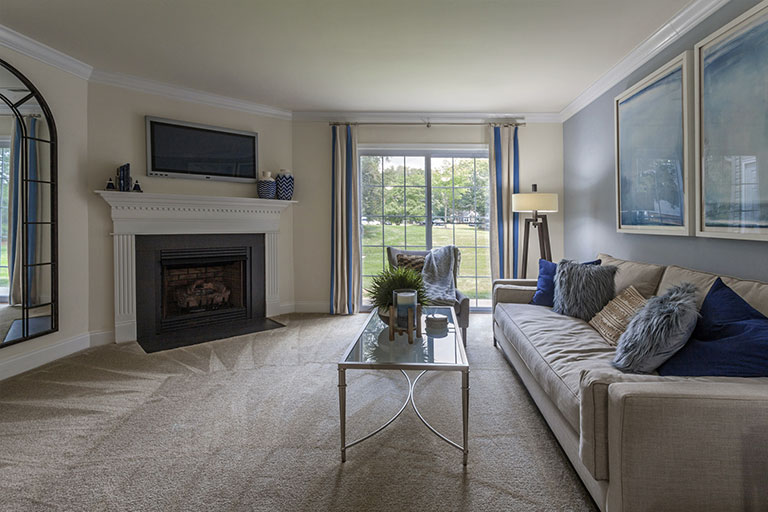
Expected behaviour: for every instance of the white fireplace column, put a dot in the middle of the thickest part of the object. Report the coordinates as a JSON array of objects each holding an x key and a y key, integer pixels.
[{"x": 167, "y": 214}]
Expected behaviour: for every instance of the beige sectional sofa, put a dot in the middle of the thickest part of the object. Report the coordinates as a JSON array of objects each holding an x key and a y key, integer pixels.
[{"x": 640, "y": 442}]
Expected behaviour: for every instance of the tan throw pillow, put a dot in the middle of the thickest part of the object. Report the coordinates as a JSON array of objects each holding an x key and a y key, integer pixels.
[
  {"x": 412, "y": 261},
  {"x": 613, "y": 319}
]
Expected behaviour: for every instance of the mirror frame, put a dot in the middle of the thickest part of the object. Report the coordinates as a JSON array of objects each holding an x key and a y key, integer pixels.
[{"x": 53, "y": 183}]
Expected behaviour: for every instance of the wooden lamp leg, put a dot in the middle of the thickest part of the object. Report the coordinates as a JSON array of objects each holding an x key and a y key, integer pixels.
[
  {"x": 526, "y": 239},
  {"x": 544, "y": 235}
]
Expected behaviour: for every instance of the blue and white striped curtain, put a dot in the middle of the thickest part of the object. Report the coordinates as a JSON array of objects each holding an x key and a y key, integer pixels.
[
  {"x": 15, "y": 219},
  {"x": 346, "y": 262},
  {"x": 505, "y": 181},
  {"x": 15, "y": 184}
]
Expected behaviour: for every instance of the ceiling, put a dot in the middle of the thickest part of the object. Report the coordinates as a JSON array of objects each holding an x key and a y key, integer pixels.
[{"x": 354, "y": 55}]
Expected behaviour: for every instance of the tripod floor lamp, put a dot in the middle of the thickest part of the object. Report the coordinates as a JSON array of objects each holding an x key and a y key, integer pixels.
[{"x": 536, "y": 203}]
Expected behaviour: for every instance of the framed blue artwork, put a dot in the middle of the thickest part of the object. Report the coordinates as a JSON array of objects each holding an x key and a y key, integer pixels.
[
  {"x": 732, "y": 129},
  {"x": 654, "y": 153}
]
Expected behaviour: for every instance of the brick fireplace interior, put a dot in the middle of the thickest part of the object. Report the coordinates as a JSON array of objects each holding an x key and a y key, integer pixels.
[{"x": 195, "y": 288}]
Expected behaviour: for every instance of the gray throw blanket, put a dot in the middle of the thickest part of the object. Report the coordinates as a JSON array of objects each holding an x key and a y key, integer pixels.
[{"x": 438, "y": 275}]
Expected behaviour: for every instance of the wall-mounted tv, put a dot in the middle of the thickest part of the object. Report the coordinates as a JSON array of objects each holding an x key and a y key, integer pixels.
[{"x": 176, "y": 149}]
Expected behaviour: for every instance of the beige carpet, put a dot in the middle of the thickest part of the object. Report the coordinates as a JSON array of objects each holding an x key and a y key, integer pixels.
[{"x": 251, "y": 423}]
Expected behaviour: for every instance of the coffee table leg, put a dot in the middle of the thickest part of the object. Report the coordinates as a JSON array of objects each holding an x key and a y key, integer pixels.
[
  {"x": 465, "y": 409},
  {"x": 343, "y": 414}
]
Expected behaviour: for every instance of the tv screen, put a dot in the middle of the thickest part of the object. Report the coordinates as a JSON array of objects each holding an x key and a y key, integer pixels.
[{"x": 184, "y": 150}]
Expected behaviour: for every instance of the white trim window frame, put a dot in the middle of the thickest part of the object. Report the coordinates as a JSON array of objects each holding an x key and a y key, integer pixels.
[{"x": 412, "y": 214}]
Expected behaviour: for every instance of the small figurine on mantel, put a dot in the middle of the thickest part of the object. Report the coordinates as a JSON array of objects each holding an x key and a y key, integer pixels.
[
  {"x": 136, "y": 187},
  {"x": 110, "y": 185}
]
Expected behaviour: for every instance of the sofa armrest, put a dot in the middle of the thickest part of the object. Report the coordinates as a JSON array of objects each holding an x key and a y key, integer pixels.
[
  {"x": 688, "y": 445},
  {"x": 593, "y": 415},
  {"x": 518, "y": 291}
]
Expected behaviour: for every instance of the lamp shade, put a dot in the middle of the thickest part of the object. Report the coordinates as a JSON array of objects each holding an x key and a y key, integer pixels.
[{"x": 546, "y": 203}]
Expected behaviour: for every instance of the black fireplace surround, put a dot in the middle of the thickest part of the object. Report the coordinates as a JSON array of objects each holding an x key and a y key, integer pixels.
[{"x": 196, "y": 288}]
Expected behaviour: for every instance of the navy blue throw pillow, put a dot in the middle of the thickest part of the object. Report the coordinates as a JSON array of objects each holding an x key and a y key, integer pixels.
[
  {"x": 730, "y": 339},
  {"x": 545, "y": 286}
]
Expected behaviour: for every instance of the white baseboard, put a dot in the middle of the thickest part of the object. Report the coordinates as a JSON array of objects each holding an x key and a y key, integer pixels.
[
  {"x": 24, "y": 362},
  {"x": 311, "y": 306}
]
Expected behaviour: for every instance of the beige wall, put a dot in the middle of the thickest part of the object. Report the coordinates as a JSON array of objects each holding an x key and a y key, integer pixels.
[
  {"x": 541, "y": 162},
  {"x": 116, "y": 135},
  {"x": 67, "y": 97}
]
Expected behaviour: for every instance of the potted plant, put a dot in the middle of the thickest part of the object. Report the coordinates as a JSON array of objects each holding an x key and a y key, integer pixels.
[{"x": 391, "y": 279}]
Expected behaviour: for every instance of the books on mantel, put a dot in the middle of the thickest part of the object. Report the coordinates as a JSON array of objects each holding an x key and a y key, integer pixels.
[{"x": 124, "y": 182}]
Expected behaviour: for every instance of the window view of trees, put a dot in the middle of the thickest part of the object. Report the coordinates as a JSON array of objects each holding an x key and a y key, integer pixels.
[
  {"x": 5, "y": 171},
  {"x": 424, "y": 201}
]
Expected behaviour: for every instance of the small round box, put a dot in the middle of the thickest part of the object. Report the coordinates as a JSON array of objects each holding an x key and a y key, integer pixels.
[{"x": 437, "y": 322}]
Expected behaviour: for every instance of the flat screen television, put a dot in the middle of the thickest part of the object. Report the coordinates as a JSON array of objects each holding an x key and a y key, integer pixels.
[{"x": 176, "y": 149}]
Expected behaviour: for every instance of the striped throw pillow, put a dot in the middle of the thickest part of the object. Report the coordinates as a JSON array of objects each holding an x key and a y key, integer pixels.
[
  {"x": 613, "y": 319},
  {"x": 412, "y": 261}
]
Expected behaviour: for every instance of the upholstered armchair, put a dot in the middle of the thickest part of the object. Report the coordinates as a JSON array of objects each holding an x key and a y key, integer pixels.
[{"x": 461, "y": 305}]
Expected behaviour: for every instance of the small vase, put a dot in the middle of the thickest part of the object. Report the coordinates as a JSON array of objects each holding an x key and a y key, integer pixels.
[
  {"x": 266, "y": 186},
  {"x": 284, "y": 182}
]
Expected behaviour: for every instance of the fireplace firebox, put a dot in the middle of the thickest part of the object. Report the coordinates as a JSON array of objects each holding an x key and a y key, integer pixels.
[{"x": 195, "y": 288}]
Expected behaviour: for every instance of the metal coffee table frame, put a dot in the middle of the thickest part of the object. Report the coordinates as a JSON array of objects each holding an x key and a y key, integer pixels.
[{"x": 462, "y": 367}]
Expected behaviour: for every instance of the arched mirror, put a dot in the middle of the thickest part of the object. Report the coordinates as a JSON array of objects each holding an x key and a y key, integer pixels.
[{"x": 28, "y": 234}]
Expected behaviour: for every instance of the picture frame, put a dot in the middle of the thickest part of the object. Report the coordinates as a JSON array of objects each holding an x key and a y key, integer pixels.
[
  {"x": 731, "y": 138},
  {"x": 654, "y": 152}
]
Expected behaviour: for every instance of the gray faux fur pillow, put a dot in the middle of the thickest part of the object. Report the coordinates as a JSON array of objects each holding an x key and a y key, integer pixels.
[
  {"x": 658, "y": 330},
  {"x": 583, "y": 290}
]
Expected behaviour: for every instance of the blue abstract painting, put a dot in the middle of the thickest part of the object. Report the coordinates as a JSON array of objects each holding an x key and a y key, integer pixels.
[
  {"x": 650, "y": 154},
  {"x": 734, "y": 128}
]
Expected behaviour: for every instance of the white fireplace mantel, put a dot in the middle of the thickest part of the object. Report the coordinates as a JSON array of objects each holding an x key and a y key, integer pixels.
[{"x": 171, "y": 214}]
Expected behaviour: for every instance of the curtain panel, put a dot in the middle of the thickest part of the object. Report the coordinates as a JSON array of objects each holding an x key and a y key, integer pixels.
[
  {"x": 505, "y": 181},
  {"x": 15, "y": 184},
  {"x": 15, "y": 218},
  {"x": 346, "y": 260}
]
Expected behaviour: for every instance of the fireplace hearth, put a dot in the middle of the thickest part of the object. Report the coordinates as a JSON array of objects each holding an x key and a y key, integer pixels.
[{"x": 195, "y": 288}]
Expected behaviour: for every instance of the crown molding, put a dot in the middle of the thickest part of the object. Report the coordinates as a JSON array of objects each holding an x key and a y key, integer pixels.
[
  {"x": 424, "y": 117},
  {"x": 671, "y": 31},
  {"x": 186, "y": 94},
  {"x": 44, "y": 53}
]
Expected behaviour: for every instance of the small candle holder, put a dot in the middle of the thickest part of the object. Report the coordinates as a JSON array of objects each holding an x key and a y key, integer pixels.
[{"x": 405, "y": 314}]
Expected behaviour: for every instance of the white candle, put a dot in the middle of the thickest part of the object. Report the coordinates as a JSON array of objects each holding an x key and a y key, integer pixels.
[{"x": 406, "y": 299}]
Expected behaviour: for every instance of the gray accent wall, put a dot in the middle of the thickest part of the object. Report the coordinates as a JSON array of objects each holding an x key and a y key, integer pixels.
[{"x": 589, "y": 183}]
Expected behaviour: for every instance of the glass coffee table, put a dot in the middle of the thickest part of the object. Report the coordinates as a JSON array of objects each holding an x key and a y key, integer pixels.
[{"x": 434, "y": 351}]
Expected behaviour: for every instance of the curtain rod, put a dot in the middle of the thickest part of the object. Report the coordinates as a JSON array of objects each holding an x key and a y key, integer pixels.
[{"x": 426, "y": 124}]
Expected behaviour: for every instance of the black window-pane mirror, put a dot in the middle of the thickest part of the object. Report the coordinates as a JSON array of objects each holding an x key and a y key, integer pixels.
[{"x": 28, "y": 211}]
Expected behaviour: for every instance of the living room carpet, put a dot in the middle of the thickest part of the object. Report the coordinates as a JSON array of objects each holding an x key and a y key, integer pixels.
[{"x": 251, "y": 423}]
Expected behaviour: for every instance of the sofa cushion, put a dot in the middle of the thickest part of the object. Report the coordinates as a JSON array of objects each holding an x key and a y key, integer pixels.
[
  {"x": 644, "y": 277},
  {"x": 754, "y": 292},
  {"x": 613, "y": 319},
  {"x": 583, "y": 290},
  {"x": 555, "y": 348},
  {"x": 730, "y": 340},
  {"x": 412, "y": 261},
  {"x": 545, "y": 284},
  {"x": 658, "y": 331}
]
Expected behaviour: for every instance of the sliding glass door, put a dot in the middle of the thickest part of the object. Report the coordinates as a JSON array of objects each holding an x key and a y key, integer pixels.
[{"x": 420, "y": 199}]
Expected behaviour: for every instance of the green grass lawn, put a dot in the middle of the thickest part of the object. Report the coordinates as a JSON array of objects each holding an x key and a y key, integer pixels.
[
  {"x": 4, "y": 281},
  {"x": 474, "y": 262}
]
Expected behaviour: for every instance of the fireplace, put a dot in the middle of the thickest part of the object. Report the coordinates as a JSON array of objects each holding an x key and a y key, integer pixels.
[{"x": 194, "y": 288}]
